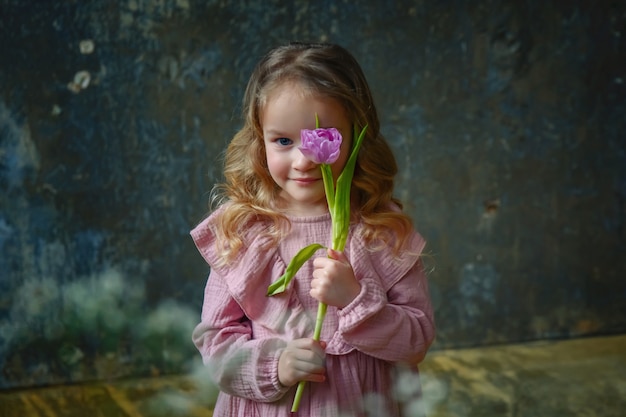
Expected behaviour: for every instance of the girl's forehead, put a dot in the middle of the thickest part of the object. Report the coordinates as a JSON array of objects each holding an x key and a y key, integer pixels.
[
  {"x": 292, "y": 87},
  {"x": 291, "y": 107}
]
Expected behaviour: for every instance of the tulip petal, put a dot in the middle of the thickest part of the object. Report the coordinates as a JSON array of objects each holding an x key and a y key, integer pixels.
[{"x": 321, "y": 146}]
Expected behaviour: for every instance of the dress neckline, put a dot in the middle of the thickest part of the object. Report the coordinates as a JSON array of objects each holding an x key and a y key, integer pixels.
[{"x": 309, "y": 219}]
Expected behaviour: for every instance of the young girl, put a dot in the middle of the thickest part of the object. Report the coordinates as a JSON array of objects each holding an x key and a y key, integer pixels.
[{"x": 272, "y": 204}]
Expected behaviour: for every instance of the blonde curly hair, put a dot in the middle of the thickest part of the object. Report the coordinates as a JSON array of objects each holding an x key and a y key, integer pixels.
[{"x": 249, "y": 191}]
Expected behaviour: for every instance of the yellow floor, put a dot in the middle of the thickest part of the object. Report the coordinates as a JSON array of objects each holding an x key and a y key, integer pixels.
[
  {"x": 154, "y": 397},
  {"x": 583, "y": 377}
]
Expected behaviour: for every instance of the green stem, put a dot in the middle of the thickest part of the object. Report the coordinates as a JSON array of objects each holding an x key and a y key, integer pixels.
[
  {"x": 321, "y": 314},
  {"x": 298, "y": 397},
  {"x": 329, "y": 185}
]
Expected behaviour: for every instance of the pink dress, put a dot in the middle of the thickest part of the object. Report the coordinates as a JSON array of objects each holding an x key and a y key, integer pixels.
[{"x": 242, "y": 331}]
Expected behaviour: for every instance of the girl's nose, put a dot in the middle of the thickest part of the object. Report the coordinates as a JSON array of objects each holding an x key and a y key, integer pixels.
[{"x": 302, "y": 163}]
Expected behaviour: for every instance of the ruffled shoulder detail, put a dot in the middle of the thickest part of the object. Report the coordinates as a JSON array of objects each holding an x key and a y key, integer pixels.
[
  {"x": 258, "y": 264},
  {"x": 390, "y": 268},
  {"x": 204, "y": 237}
]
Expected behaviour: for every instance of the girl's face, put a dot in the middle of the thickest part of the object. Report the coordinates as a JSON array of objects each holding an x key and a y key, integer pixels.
[{"x": 287, "y": 111}]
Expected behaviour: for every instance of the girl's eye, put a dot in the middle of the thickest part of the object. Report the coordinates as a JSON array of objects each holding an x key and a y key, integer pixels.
[{"x": 284, "y": 141}]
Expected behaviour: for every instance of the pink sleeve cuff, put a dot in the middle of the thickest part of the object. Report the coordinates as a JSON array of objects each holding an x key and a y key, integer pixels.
[
  {"x": 274, "y": 390},
  {"x": 370, "y": 301}
]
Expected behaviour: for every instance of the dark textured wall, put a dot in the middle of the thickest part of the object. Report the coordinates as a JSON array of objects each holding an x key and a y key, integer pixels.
[{"x": 507, "y": 118}]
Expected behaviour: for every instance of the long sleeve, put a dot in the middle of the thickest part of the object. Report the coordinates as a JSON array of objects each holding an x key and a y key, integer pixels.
[
  {"x": 395, "y": 325},
  {"x": 241, "y": 366}
]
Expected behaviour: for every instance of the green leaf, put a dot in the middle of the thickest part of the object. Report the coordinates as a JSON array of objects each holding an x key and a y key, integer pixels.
[
  {"x": 296, "y": 263},
  {"x": 341, "y": 210}
]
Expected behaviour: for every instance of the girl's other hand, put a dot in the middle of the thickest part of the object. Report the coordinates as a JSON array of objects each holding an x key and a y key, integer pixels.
[
  {"x": 302, "y": 360},
  {"x": 333, "y": 280}
]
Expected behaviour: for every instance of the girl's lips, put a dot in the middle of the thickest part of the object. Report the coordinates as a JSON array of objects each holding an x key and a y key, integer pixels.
[{"x": 305, "y": 180}]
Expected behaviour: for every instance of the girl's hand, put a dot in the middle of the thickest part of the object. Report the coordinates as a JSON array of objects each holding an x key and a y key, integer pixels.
[
  {"x": 302, "y": 360},
  {"x": 333, "y": 281}
]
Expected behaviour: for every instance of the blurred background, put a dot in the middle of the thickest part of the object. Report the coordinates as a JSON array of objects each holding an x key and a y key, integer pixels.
[{"x": 508, "y": 120}]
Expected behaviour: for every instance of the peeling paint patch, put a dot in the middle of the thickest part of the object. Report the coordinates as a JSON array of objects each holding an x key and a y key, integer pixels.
[
  {"x": 86, "y": 46},
  {"x": 56, "y": 110},
  {"x": 477, "y": 287},
  {"x": 489, "y": 215},
  {"x": 5, "y": 232},
  {"x": 19, "y": 157},
  {"x": 80, "y": 82}
]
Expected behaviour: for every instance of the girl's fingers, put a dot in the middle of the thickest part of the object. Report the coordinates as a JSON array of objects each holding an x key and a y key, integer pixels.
[
  {"x": 333, "y": 280},
  {"x": 302, "y": 360},
  {"x": 315, "y": 346},
  {"x": 305, "y": 367},
  {"x": 338, "y": 256}
]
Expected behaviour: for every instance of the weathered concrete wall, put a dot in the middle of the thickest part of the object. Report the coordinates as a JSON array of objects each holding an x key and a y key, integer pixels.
[{"x": 507, "y": 119}]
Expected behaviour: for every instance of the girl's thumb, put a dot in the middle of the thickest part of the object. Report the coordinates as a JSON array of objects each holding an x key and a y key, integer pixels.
[{"x": 336, "y": 255}]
